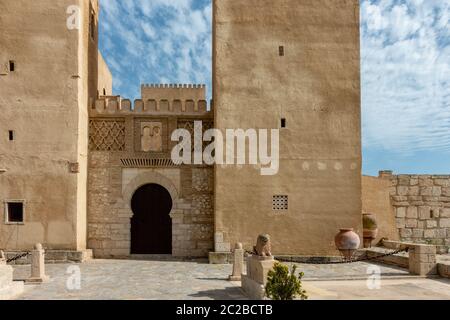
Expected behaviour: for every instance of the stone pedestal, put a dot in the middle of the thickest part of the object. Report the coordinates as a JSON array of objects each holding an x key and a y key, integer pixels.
[
  {"x": 422, "y": 260},
  {"x": 238, "y": 264},
  {"x": 254, "y": 282},
  {"x": 37, "y": 266},
  {"x": 8, "y": 288}
]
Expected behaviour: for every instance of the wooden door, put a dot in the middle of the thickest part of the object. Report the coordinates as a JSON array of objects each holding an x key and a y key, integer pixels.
[{"x": 151, "y": 225}]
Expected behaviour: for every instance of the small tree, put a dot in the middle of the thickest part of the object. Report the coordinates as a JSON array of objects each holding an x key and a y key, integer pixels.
[{"x": 284, "y": 285}]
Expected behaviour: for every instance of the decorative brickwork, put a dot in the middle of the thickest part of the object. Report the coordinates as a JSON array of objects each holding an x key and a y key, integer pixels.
[{"x": 106, "y": 135}]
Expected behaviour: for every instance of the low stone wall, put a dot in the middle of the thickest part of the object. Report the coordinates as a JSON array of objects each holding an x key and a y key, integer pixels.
[
  {"x": 399, "y": 260},
  {"x": 444, "y": 269},
  {"x": 52, "y": 256},
  {"x": 422, "y": 208},
  {"x": 420, "y": 259},
  {"x": 420, "y": 205}
]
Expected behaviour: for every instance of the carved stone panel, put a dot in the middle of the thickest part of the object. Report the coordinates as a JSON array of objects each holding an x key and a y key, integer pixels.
[{"x": 151, "y": 136}]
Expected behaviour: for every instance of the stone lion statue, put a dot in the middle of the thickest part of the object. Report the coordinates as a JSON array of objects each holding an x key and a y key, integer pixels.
[{"x": 263, "y": 246}]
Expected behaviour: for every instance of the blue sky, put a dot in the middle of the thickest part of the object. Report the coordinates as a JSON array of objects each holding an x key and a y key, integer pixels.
[{"x": 405, "y": 69}]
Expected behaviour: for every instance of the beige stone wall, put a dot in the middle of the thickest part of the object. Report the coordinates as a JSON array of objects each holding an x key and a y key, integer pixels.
[
  {"x": 119, "y": 167},
  {"x": 105, "y": 80},
  {"x": 315, "y": 86},
  {"x": 87, "y": 91},
  {"x": 422, "y": 207},
  {"x": 44, "y": 101},
  {"x": 376, "y": 199}
]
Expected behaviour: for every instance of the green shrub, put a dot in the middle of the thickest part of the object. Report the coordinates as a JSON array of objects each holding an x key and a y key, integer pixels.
[
  {"x": 284, "y": 285},
  {"x": 369, "y": 222}
]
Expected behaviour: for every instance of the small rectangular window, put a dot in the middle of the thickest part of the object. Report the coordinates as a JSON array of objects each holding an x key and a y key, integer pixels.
[
  {"x": 281, "y": 51},
  {"x": 11, "y": 135},
  {"x": 283, "y": 123},
  {"x": 14, "y": 212},
  {"x": 12, "y": 66},
  {"x": 280, "y": 203}
]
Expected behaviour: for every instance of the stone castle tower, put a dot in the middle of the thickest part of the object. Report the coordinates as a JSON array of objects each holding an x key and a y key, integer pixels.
[
  {"x": 49, "y": 74},
  {"x": 79, "y": 165},
  {"x": 295, "y": 66}
]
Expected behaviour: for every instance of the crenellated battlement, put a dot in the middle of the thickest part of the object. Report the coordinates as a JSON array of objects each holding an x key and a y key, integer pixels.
[
  {"x": 111, "y": 105},
  {"x": 173, "y": 86},
  {"x": 171, "y": 92}
]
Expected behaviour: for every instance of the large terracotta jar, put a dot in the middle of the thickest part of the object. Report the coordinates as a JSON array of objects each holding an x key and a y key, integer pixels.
[
  {"x": 370, "y": 231},
  {"x": 347, "y": 242}
]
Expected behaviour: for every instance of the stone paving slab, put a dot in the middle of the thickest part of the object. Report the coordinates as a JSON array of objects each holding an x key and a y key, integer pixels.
[
  {"x": 197, "y": 280},
  {"x": 136, "y": 280},
  {"x": 391, "y": 289},
  {"x": 352, "y": 271}
]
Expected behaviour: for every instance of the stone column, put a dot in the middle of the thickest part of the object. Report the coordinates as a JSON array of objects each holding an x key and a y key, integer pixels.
[
  {"x": 37, "y": 265},
  {"x": 238, "y": 265},
  {"x": 422, "y": 260}
]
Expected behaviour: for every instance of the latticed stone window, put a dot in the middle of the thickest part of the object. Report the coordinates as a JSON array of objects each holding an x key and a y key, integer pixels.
[
  {"x": 107, "y": 135},
  {"x": 280, "y": 203}
]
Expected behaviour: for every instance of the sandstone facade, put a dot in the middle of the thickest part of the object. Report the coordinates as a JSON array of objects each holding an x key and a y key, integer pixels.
[
  {"x": 295, "y": 66},
  {"x": 75, "y": 155},
  {"x": 48, "y": 75},
  {"x": 119, "y": 166}
]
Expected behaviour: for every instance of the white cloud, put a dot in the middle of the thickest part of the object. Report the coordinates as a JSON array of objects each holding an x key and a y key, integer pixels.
[
  {"x": 405, "y": 67},
  {"x": 405, "y": 61},
  {"x": 157, "y": 41}
]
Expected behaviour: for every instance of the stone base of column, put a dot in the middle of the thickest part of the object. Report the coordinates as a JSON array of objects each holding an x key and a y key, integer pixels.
[
  {"x": 254, "y": 282},
  {"x": 422, "y": 260},
  {"x": 254, "y": 290},
  {"x": 234, "y": 278},
  {"x": 31, "y": 281}
]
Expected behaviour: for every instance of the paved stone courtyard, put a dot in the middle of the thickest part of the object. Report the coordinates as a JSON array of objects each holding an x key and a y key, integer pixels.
[{"x": 197, "y": 280}]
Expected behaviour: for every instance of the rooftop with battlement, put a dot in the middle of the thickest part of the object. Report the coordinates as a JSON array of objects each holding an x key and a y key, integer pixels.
[
  {"x": 115, "y": 105},
  {"x": 156, "y": 99},
  {"x": 171, "y": 92}
]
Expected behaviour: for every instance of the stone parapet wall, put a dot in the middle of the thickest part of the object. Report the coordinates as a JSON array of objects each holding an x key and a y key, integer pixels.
[
  {"x": 422, "y": 207},
  {"x": 115, "y": 105},
  {"x": 52, "y": 257},
  {"x": 444, "y": 269}
]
